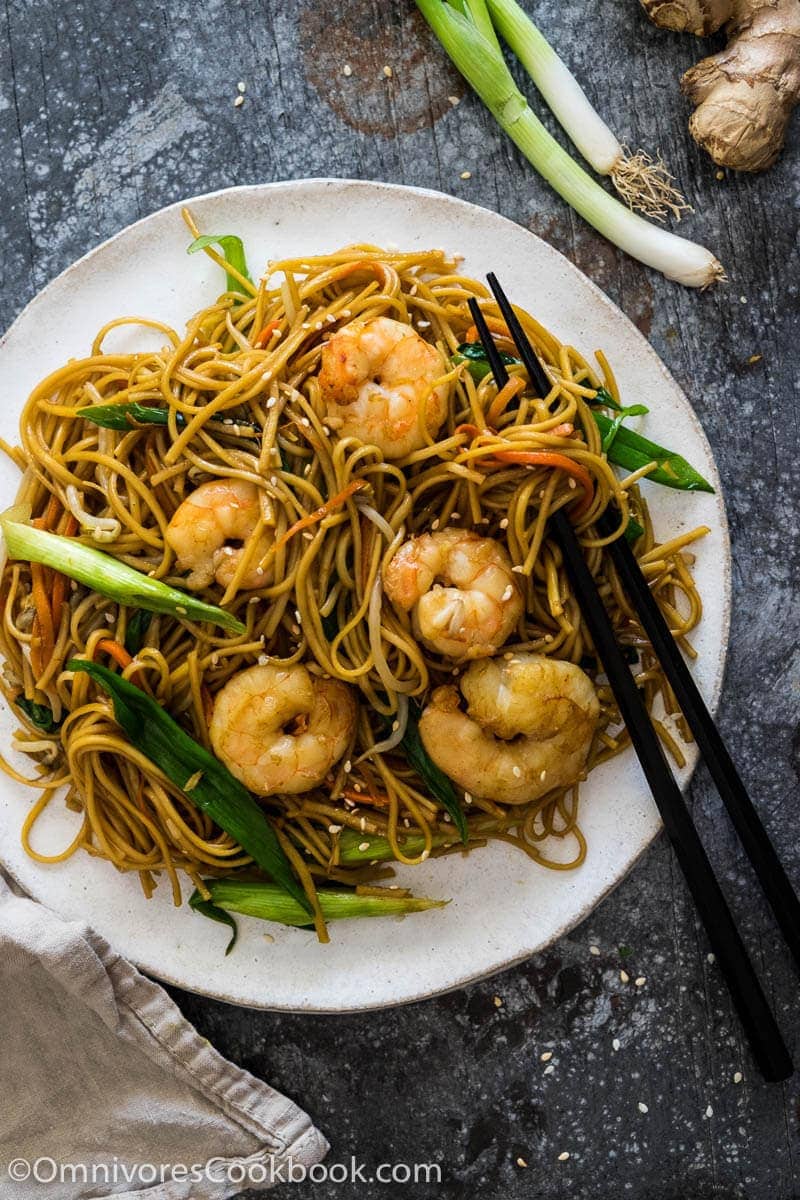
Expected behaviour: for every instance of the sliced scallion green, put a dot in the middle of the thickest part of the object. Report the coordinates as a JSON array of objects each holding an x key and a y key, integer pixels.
[
  {"x": 107, "y": 575},
  {"x": 232, "y": 249},
  {"x": 214, "y": 790},
  {"x": 269, "y": 903},
  {"x": 440, "y": 787}
]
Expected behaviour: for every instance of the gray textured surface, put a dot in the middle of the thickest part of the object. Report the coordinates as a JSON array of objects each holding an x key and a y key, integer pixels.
[{"x": 109, "y": 111}]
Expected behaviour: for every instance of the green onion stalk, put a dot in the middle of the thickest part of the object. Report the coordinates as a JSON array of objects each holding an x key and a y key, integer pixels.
[
  {"x": 107, "y": 575},
  {"x": 270, "y": 903},
  {"x": 464, "y": 35},
  {"x": 643, "y": 182}
]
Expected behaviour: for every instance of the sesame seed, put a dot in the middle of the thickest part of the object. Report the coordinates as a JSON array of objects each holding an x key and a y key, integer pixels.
[
  {"x": 572, "y": 484},
  {"x": 363, "y": 846},
  {"x": 595, "y": 950},
  {"x": 180, "y": 609},
  {"x": 548, "y": 1054},
  {"x": 709, "y": 1111},
  {"x": 467, "y": 798},
  {"x": 518, "y": 569},
  {"x": 268, "y": 937},
  {"x": 563, "y": 1156},
  {"x": 466, "y": 174},
  {"x": 454, "y": 101},
  {"x": 543, "y": 776},
  {"x": 388, "y": 72},
  {"x": 348, "y": 766},
  {"x": 548, "y": 1070},
  {"x": 455, "y": 516},
  {"x": 504, "y": 523},
  {"x": 263, "y": 659},
  {"x": 435, "y": 523},
  {"x": 363, "y": 824},
  {"x": 737, "y": 1077},
  {"x": 640, "y": 981},
  {"x": 241, "y": 86},
  {"x": 615, "y": 1044},
  {"x": 238, "y": 102},
  {"x": 624, "y": 977},
  {"x": 334, "y": 829},
  {"x": 516, "y": 772},
  {"x": 425, "y": 854},
  {"x": 719, "y": 175},
  {"x": 712, "y": 958},
  {"x": 347, "y": 70},
  {"x": 508, "y": 593},
  {"x": 642, "y": 1107},
  {"x": 498, "y": 1002},
  {"x": 271, "y": 403}
]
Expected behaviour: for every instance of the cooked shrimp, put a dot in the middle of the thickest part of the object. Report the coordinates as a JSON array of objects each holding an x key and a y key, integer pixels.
[
  {"x": 203, "y": 527},
  {"x": 479, "y": 604},
  {"x": 378, "y": 381},
  {"x": 281, "y": 729},
  {"x": 528, "y": 727}
]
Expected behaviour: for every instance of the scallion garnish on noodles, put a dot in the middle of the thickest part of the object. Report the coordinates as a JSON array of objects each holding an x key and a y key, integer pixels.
[
  {"x": 214, "y": 789},
  {"x": 40, "y": 715},
  {"x": 252, "y": 898},
  {"x": 107, "y": 575},
  {"x": 127, "y": 416},
  {"x": 233, "y": 253},
  {"x": 623, "y": 447},
  {"x": 474, "y": 354},
  {"x": 632, "y": 451},
  {"x": 439, "y": 785},
  {"x": 609, "y": 437},
  {"x": 461, "y": 28}
]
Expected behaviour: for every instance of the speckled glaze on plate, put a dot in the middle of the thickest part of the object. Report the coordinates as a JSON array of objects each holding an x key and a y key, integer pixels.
[{"x": 503, "y": 908}]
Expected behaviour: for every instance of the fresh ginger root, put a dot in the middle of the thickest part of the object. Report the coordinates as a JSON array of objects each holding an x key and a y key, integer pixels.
[{"x": 745, "y": 94}]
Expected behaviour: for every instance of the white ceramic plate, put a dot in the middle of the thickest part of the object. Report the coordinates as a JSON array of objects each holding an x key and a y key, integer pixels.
[{"x": 503, "y": 907}]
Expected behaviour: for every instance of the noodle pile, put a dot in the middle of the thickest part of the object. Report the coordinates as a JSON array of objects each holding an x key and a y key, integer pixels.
[{"x": 243, "y": 398}]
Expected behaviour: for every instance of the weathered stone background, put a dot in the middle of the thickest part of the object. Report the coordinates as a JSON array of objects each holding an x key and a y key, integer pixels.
[{"x": 109, "y": 111}]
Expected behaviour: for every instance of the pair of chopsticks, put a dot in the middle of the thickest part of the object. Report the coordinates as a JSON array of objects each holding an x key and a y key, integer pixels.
[{"x": 767, "y": 1044}]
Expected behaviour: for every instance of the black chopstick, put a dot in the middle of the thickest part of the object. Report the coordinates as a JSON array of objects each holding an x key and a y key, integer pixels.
[
  {"x": 768, "y": 1047},
  {"x": 754, "y": 838}
]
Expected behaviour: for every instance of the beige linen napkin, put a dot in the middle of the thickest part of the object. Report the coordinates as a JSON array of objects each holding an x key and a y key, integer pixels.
[{"x": 99, "y": 1071}]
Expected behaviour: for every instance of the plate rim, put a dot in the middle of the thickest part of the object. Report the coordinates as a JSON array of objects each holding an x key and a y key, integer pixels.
[{"x": 310, "y": 183}]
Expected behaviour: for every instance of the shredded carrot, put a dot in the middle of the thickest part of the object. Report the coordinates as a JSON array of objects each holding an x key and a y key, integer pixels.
[
  {"x": 262, "y": 339},
  {"x": 496, "y": 326},
  {"x": 504, "y": 397},
  {"x": 551, "y": 458},
  {"x": 378, "y": 800},
  {"x": 59, "y": 588},
  {"x": 319, "y": 514},
  {"x": 43, "y": 637},
  {"x": 119, "y": 654}
]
